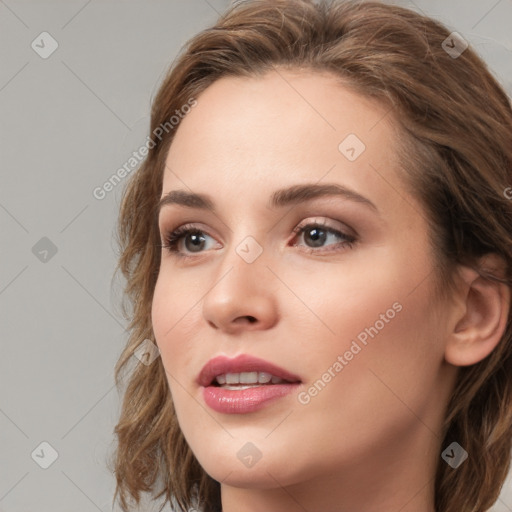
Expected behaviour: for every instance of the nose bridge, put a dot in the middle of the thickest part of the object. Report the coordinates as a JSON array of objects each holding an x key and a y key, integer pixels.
[
  {"x": 241, "y": 288},
  {"x": 243, "y": 268},
  {"x": 245, "y": 251}
]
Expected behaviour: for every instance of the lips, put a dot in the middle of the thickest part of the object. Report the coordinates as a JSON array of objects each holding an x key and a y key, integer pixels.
[{"x": 223, "y": 365}]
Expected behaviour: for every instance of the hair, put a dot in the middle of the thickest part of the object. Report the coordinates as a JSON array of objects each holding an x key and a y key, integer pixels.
[{"x": 455, "y": 153}]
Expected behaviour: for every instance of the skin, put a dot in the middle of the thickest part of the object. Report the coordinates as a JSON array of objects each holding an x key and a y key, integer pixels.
[{"x": 371, "y": 439}]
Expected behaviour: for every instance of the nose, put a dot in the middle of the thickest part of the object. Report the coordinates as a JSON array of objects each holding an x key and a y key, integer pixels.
[{"x": 242, "y": 296}]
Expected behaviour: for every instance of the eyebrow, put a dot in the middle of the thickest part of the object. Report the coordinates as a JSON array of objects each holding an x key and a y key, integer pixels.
[{"x": 279, "y": 199}]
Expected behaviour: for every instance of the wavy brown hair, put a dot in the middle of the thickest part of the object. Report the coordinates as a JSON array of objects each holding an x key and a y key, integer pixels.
[{"x": 455, "y": 146}]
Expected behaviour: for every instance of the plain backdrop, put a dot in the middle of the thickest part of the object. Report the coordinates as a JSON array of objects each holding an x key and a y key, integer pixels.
[{"x": 68, "y": 121}]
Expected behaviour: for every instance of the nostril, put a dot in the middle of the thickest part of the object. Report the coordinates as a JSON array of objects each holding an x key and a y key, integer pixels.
[{"x": 244, "y": 319}]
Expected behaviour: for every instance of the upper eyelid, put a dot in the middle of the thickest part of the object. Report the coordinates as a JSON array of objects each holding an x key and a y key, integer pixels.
[
  {"x": 175, "y": 236},
  {"x": 317, "y": 220},
  {"x": 162, "y": 220},
  {"x": 344, "y": 229}
]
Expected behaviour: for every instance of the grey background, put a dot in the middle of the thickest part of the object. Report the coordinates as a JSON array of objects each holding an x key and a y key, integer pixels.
[{"x": 68, "y": 123}]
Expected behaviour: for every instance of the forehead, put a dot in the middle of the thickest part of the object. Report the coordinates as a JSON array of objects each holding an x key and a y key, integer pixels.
[{"x": 250, "y": 136}]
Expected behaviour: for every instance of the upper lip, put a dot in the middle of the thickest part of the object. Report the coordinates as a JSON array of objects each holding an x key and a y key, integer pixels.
[{"x": 221, "y": 365}]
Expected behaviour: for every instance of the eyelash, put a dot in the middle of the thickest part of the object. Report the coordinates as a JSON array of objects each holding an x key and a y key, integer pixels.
[{"x": 173, "y": 237}]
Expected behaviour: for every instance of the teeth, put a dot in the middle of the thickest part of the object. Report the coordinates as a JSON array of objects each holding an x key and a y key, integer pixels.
[
  {"x": 232, "y": 378},
  {"x": 229, "y": 379},
  {"x": 264, "y": 377},
  {"x": 238, "y": 387},
  {"x": 248, "y": 378}
]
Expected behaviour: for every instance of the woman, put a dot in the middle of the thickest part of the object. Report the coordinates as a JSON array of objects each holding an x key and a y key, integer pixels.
[{"x": 320, "y": 249}]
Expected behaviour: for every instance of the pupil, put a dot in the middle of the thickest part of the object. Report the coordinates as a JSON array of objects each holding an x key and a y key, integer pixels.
[
  {"x": 198, "y": 240},
  {"x": 318, "y": 237}
]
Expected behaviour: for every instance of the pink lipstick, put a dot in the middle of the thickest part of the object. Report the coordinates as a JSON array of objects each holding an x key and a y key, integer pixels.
[{"x": 244, "y": 384}]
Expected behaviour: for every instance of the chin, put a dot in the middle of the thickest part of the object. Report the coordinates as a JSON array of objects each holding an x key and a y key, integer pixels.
[
  {"x": 228, "y": 468},
  {"x": 247, "y": 478}
]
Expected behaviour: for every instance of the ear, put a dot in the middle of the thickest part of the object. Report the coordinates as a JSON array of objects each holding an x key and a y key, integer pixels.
[{"x": 480, "y": 317}]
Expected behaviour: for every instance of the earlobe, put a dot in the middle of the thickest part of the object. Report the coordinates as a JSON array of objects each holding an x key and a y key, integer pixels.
[{"x": 482, "y": 320}]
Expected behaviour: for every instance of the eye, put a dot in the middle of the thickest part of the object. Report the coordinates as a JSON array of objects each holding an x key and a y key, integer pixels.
[
  {"x": 316, "y": 234},
  {"x": 185, "y": 233}
]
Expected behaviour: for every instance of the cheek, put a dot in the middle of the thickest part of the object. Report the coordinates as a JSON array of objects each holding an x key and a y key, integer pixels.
[
  {"x": 375, "y": 337},
  {"x": 172, "y": 311},
  {"x": 172, "y": 315},
  {"x": 385, "y": 361}
]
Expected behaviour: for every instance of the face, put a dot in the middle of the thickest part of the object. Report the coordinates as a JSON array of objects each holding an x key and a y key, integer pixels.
[{"x": 333, "y": 284}]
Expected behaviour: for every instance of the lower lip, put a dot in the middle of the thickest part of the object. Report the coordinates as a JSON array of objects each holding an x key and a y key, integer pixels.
[{"x": 232, "y": 401}]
